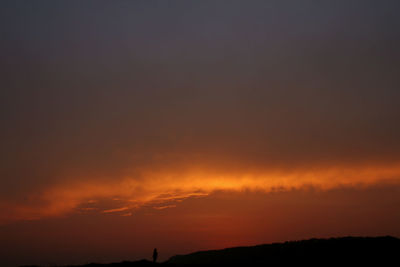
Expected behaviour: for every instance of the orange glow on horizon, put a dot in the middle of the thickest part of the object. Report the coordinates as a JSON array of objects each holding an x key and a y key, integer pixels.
[{"x": 162, "y": 189}]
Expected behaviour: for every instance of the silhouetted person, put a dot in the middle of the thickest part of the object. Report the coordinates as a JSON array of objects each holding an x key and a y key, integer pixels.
[{"x": 155, "y": 255}]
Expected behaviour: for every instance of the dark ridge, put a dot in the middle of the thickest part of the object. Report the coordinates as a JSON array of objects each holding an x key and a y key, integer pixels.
[
  {"x": 344, "y": 250},
  {"x": 378, "y": 251},
  {"x": 140, "y": 263}
]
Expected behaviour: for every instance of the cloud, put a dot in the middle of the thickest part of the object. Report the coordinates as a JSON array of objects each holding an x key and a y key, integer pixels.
[
  {"x": 115, "y": 210},
  {"x": 164, "y": 207},
  {"x": 161, "y": 189},
  {"x": 154, "y": 118}
]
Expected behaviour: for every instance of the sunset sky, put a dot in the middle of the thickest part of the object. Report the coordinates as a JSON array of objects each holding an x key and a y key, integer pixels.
[{"x": 192, "y": 125}]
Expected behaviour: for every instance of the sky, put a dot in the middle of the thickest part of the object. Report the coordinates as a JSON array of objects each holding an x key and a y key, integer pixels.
[{"x": 188, "y": 125}]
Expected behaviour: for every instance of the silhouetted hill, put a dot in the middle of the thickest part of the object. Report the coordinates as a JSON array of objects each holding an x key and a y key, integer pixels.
[
  {"x": 378, "y": 251},
  {"x": 141, "y": 263},
  {"x": 346, "y": 250}
]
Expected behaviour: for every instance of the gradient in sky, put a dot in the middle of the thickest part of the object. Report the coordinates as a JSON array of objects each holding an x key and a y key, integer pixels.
[{"x": 186, "y": 125}]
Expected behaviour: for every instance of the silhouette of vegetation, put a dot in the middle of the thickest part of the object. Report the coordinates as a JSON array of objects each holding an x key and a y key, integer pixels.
[{"x": 375, "y": 251}]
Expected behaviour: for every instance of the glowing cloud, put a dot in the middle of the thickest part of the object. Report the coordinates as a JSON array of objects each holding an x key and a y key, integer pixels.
[{"x": 163, "y": 189}]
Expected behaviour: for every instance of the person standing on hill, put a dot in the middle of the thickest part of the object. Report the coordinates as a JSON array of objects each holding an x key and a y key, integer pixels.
[{"x": 155, "y": 255}]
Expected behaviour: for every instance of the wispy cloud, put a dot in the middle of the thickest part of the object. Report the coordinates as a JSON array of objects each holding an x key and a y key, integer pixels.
[
  {"x": 115, "y": 210},
  {"x": 164, "y": 189},
  {"x": 164, "y": 207}
]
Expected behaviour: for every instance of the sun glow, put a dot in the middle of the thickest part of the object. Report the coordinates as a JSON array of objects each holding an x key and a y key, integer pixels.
[{"x": 166, "y": 188}]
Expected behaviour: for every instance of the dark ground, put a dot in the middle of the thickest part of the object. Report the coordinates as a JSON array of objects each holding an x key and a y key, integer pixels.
[{"x": 356, "y": 251}]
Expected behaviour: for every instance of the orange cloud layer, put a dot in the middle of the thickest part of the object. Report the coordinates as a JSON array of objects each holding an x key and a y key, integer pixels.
[{"x": 160, "y": 188}]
